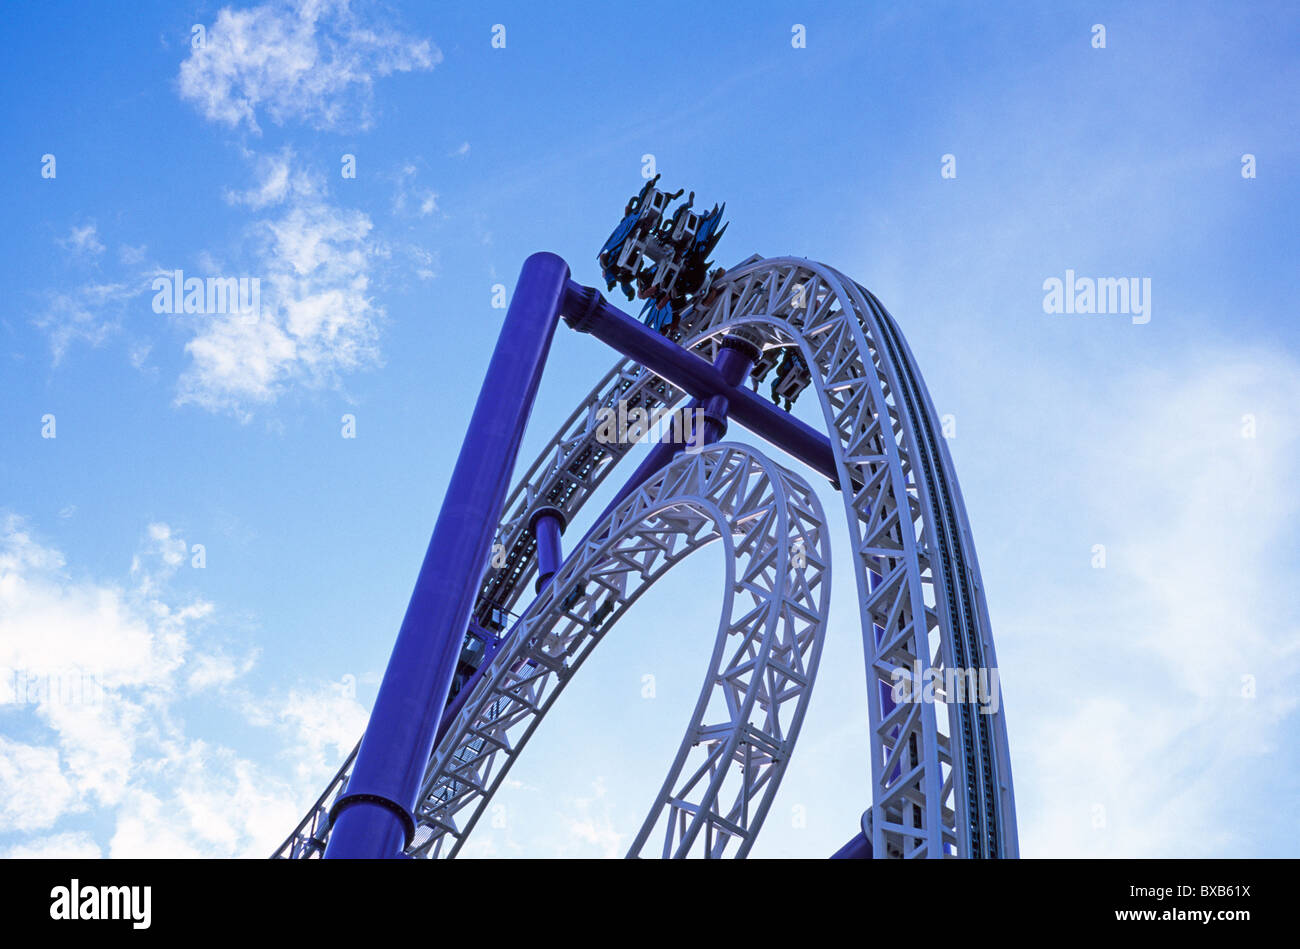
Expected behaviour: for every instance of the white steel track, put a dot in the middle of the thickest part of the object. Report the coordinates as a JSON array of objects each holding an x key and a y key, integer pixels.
[
  {"x": 769, "y": 639},
  {"x": 941, "y": 774}
]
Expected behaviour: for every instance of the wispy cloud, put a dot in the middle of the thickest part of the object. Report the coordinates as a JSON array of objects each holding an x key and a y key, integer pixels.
[
  {"x": 1174, "y": 667},
  {"x": 323, "y": 722},
  {"x": 91, "y": 308},
  {"x": 412, "y": 198},
  {"x": 117, "y": 748},
  {"x": 34, "y": 791},
  {"x": 86, "y": 314},
  {"x": 590, "y": 825},
  {"x": 317, "y": 320},
  {"x": 69, "y": 846},
  {"x": 313, "y": 60},
  {"x": 84, "y": 240},
  {"x": 276, "y": 179}
]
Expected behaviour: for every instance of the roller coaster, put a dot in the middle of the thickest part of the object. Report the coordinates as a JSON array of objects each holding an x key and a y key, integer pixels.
[{"x": 502, "y": 618}]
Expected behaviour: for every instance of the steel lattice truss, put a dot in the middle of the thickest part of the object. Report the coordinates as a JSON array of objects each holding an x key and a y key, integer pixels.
[
  {"x": 764, "y": 660},
  {"x": 941, "y": 774}
]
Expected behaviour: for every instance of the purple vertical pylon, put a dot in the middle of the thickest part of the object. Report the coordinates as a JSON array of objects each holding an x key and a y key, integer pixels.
[
  {"x": 547, "y": 524},
  {"x": 373, "y": 818}
]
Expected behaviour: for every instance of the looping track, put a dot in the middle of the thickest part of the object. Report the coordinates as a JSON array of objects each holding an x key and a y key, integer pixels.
[
  {"x": 940, "y": 771},
  {"x": 764, "y": 660}
]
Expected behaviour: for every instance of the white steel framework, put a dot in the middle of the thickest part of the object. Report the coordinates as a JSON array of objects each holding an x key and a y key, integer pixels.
[
  {"x": 941, "y": 774},
  {"x": 764, "y": 660}
]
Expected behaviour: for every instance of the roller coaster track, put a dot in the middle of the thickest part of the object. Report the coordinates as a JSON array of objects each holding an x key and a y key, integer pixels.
[
  {"x": 941, "y": 776},
  {"x": 761, "y": 673}
]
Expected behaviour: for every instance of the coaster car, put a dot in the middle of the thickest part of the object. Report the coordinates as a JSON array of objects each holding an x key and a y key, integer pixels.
[
  {"x": 662, "y": 258},
  {"x": 792, "y": 377}
]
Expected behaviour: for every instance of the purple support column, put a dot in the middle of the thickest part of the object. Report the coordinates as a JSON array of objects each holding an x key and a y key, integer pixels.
[
  {"x": 734, "y": 361},
  {"x": 715, "y": 419},
  {"x": 547, "y": 524},
  {"x": 374, "y": 817}
]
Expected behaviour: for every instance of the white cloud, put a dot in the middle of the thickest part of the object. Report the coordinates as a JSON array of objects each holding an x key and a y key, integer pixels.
[
  {"x": 132, "y": 256},
  {"x": 49, "y": 625},
  {"x": 117, "y": 748},
  {"x": 316, "y": 321},
  {"x": 85, "y": 314},
  {"x": 314, "y": 60},
  {"x": 408, "y": 194},
  {"x": 34, "y": 792},
  {"x": 145, "y": 830},
  {"x": 590, "y": 826},
  {"x": 69, "y": 846},
  {"x": 138, "y": 354},
  {"x": 323, "y": 722},
  {"x": 218, "y": 670},
  {"x": 208, "y": 802},
  {"x": 96, "y": 659},
  {"x": 277, "y": 178},
  {"x": 426, "y": 262},
  {"x": 91, "y": 310},
  {"x": 83, "y": 240},
  {"x": 1149, "y": 722}
]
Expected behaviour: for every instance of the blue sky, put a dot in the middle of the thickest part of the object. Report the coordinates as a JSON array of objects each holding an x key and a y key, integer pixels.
[{"x": 1151, "y": 703}]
